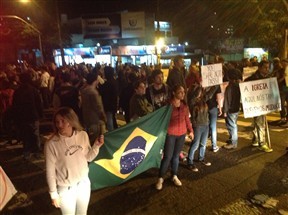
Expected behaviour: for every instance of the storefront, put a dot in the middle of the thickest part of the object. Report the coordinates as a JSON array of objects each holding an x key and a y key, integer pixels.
[
  {"x": 87, "y": 55},
  {"x": 135, "y": 55}
]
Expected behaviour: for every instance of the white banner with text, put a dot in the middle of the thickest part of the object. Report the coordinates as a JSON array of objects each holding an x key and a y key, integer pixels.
[
  {"x": 211, "y": 75},
  {"x": 260, "y": 97}
]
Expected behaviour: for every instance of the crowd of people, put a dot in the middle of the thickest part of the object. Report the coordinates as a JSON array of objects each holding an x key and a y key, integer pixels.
[{"x": 87, "y": 98}]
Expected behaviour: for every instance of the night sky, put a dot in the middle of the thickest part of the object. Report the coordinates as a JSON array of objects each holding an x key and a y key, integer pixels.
[{"x": 191, "y": 19}]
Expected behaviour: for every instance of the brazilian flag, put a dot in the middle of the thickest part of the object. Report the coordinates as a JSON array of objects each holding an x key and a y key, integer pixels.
[{"x": 130, "y": 150}]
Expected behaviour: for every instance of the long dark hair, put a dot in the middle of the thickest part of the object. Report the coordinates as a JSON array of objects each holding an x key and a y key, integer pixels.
[
  {"x": 197, "y": 99},
  {"x": 175, "y": 89}
]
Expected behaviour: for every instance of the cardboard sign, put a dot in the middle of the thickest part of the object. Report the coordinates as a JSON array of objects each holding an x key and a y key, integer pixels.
[
  {"x": 212, "y": 75},
  {"x": 7, "y": 189},
  {"x": 260, "y": 97}
]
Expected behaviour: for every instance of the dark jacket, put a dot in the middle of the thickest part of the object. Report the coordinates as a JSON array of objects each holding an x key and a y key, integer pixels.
[
  {"x": 211, "y": 96},
  {"x": 175, "y": 77},
  {"x": 232, "y": 98},
  {"x": 139, "y": 106},
  {"x": 255, "y": 76},
  {"x": 109, "y": 92},
  {"x": 27, "y": 104}
]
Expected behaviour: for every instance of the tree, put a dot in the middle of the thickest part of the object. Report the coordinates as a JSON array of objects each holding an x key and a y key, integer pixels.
[{"x": 271, "y": 26}]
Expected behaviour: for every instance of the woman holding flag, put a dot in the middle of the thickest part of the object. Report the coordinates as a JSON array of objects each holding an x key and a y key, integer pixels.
[
  {"x": 177, "y": 129},
  {"x": 67, "y": 153}
]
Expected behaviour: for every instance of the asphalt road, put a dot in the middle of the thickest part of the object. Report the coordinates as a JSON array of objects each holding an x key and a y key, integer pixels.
[{"x": 226, "y": 187}]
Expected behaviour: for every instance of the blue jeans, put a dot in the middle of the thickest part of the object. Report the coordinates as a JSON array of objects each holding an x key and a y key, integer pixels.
[
  {"x": 110, "y": 123},
  {"x": 200, "y": 139},
  {"x": 75, "y": 199},
  {"x": 231, "y": 124},
  {"x": 172, "y": 149},
  {"x": 213, "y": 115}
]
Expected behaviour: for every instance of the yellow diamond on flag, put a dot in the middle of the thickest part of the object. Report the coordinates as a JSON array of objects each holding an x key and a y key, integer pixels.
[{"x": 130, "y": 155}]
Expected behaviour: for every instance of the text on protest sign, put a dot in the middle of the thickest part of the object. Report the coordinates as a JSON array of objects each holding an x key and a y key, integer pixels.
[
  {"x": 211, "y": 75},
  {"x": 260, "y": 97}
]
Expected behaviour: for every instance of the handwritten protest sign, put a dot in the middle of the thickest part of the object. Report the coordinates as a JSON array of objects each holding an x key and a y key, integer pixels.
[
  {"x": 260, "y": 97},
  {"x": 211, "y": 75},
  {"x": 7, "y": 190}
]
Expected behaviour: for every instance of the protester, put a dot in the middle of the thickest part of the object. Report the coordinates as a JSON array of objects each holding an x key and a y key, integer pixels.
[
  {"x": 67, "y": 95},
  {"x": 200, "y": 121},
  {"x": 94, "y": 117},
  {"x": 109, "y": 92},
  {"x": 231, "y": 107},
  {"x": 157, "y": 93},
  {"x": 27, "y": 111},
  {"x": 193, "y": 76},
  {"x": 67, "y": 153},
  {"x": 283, "y": 89},
  {"x": 126, "y": 94},
  {"x": 215, "y": 110},
  {"x": 139, "y": 105},
  {"x": 44, "y": 87},
  {"x": 178, "y": 126},
  {"x": 259, "y": 130},
  {"x": 176, "y": 75}
]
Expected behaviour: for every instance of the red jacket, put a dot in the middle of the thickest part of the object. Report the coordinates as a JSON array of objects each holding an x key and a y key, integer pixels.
[{"x": 179, "y": 121}]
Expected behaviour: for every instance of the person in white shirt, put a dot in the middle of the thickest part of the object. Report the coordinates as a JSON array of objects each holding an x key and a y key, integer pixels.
[{"x": 67, "y": 154}]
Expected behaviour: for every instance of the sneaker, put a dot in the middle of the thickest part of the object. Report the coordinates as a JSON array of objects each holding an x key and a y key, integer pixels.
[
  {"x": 192, "y": 167},
  {"x": 176, "y": 181},
  {"x": 265, "y": 148},
  {"x": 216, "y": 149},
  {"x": 205, "y": 163},
  {"x": 230, "y": 146},
  {"x": 255, "y": 144},
  {"x": 159, "y": 184}
]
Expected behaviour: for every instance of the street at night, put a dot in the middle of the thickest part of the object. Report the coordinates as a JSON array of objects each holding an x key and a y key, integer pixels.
[
  {"x": 104, "y": 96},
  {"x": 227, "y": 187}
]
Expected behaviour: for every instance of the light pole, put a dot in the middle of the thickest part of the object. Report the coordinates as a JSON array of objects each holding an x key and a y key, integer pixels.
[
  {"x": 60, "y": 34},
  {"x": 31, "y": 26}
]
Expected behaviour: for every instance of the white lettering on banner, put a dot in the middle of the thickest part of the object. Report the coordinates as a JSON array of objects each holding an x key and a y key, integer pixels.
[
  {"x": 211, "y": 75},
  {"x": 260, "y": 97}
]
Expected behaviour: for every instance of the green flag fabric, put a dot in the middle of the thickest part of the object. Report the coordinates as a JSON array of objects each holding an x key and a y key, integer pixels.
[{"x": 130, "y": 150}]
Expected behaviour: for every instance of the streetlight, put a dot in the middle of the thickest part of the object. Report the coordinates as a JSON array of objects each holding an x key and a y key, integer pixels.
[
  {"x": 60, "y": 41},
  {"x": 31, "y": 26}
]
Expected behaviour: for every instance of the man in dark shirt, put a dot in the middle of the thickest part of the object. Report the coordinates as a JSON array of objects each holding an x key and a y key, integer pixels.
[
  {"x": 27, "y": 109},
  {"x": 157, "y": 93}
]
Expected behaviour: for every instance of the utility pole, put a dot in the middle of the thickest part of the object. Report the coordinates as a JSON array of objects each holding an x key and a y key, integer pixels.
[{"x": 60, "y": 34}]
